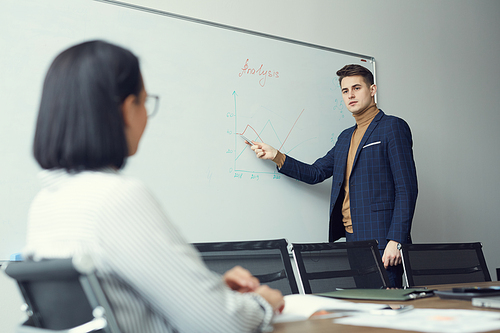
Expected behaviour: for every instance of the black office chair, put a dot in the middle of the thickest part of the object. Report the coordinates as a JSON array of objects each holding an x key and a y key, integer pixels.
[
  {"x": 323, "y": 267},
  {"x": 268, "y": 260},
  {"x": 62, "y": 295},
  {"x": 442, "y": 263}
]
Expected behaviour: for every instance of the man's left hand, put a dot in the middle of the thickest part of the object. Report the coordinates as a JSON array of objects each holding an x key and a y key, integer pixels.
[{"x": 392, "y": 256}]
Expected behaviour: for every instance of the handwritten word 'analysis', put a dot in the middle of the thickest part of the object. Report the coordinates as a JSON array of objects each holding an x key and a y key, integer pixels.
[{"x": 260, "y": 72}]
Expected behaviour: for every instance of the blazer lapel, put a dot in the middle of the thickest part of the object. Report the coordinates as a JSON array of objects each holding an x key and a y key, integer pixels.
[
  {"x": 341, "y": 154},
  {"x": 367, "y": 134}
]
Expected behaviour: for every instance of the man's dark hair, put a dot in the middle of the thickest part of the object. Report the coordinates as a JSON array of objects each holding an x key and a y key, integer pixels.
[
  {"x": 80, "y": 124},
  {"x": 352, "y": 70}
]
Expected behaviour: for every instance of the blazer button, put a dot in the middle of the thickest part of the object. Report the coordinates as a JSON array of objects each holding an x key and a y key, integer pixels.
[{"x": 340, "y": 184}]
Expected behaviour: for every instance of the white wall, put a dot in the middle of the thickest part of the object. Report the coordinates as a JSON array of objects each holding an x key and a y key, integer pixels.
[
  {"x": 10, "y": 304},
  {"x": 437, "y": 67}
]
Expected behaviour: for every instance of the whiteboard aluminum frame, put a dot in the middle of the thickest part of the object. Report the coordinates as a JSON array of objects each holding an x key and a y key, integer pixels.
[{"x": 228, "y": 27}]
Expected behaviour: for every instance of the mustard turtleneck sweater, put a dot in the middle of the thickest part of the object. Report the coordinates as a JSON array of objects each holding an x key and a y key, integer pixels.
[{"x": 363, "y": 120}]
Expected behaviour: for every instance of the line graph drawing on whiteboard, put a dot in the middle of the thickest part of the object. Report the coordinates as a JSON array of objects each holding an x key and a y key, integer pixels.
[{"x": 263, "y": 123}]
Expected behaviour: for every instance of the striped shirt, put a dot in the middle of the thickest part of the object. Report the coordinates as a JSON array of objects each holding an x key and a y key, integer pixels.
[{"x": 154, "y": 280}]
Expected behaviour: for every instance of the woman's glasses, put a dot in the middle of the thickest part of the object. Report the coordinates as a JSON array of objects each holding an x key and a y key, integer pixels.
[{"x": 152, "y": 103}]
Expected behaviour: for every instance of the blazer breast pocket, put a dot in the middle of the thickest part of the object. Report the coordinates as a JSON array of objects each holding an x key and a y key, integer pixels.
[
  {"x": 372, "y": 144},
  {"x": 388, "y": 205}
]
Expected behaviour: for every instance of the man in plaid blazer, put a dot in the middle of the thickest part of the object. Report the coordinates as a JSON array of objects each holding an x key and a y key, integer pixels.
[{"x": 374, "y": 188}]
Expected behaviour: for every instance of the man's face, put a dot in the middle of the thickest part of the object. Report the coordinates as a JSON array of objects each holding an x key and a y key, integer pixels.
[{"x": 357, "y": 94}]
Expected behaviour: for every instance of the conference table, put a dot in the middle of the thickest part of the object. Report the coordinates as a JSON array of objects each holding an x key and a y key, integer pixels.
[{"x": 434, "y": 302}]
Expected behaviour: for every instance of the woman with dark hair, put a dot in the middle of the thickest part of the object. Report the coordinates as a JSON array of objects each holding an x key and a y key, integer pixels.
[{"x": 92, "y": 116}]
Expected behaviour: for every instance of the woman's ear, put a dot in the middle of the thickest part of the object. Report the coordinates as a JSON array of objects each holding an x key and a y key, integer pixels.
[{"x": 128, "y": 108}]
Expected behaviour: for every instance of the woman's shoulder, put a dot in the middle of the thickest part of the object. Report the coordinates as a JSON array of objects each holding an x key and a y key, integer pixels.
[
  {"x": 102, "y": 184},
  {"x": 115, "y": 184},
  {"x": 109, "y": 178}
]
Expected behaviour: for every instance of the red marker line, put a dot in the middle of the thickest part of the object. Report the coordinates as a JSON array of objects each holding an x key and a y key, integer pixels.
[
  {"x": 291, "y": 129},
  {"x": 253, "y": 130}
]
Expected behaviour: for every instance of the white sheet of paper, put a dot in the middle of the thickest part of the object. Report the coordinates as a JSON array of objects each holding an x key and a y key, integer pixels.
[
  {"x": 430, "y": 320},
  {"x": 301, "y": 307}
]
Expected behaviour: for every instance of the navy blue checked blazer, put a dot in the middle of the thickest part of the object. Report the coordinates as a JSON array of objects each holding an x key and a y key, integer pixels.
[{"x": 382, "y": 186}]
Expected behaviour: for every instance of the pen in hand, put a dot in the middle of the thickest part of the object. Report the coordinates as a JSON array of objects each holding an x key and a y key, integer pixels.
[{"x": 248, "y": 141}]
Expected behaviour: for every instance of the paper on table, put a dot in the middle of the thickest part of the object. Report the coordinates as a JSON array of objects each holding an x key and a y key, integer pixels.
[
  {"x": 430, "y": 320},
  {"x": 301, "y": 307}
]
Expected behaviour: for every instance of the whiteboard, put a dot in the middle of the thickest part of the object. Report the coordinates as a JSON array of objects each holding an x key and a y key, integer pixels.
[{"x": 214, "y": 82}]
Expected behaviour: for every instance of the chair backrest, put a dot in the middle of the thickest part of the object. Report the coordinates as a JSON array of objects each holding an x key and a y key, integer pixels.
[
  {"x": 440, "y": 263},
  {"x": 323, "y": 267},
  {"x": 62, "y": 294},
  {"x": 268, "y": 260}
]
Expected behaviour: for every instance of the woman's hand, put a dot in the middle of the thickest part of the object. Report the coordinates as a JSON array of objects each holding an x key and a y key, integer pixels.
[
  {"x": 240, "y": 279},
  {"x": 273, "y": 297}
]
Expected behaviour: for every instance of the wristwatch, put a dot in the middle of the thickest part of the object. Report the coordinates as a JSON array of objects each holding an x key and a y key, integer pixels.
[{"x": 399, "y": 246}]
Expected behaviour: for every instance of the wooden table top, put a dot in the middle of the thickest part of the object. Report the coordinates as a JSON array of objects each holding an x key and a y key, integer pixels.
[{"x": 327, "y": 324}]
